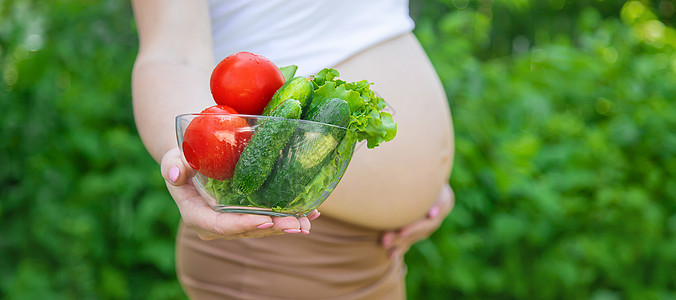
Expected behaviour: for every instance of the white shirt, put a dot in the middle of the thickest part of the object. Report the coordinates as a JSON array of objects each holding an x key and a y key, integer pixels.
[{"x": 312, "y": 34}]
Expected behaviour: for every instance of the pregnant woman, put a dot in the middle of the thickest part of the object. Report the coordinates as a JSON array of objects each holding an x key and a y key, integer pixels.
[{"x": 390, "y": 196}]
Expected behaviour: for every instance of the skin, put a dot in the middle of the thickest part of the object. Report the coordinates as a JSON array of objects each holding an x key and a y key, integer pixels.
[
  {"x": 398, "y": 241},
  {"x": 396, "y": 183},
  {"x": 171, "y": 76}
]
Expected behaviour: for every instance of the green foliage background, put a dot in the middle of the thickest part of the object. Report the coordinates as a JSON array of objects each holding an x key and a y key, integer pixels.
[{"x": 564, "y": 173}]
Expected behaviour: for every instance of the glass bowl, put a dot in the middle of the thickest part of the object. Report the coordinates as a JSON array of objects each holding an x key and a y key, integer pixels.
[{"x": 263, "y": 165}]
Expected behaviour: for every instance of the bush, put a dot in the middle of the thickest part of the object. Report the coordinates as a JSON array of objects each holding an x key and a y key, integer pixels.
[
  {"x": 564, "y": 173},
  {"x": 85, "y": 214}
]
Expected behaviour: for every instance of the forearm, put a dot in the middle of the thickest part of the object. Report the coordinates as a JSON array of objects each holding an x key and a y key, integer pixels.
[
  {"x": 172, "y": 69},
  {"x": 161, "y": 90}
]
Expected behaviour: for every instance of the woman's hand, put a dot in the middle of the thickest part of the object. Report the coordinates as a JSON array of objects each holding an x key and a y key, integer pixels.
[
  {"x": 397, "y": 242},
  {"x": 209, "y": 224}
]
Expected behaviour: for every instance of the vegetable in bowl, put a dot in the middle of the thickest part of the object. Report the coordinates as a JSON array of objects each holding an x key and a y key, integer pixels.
[{"x": 298, "y": 148}]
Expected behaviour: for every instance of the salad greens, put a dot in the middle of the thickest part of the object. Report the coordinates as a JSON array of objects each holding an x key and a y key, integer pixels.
[
  {"x": 297, "y": 186},
  {"x": 368, "y": 120}
]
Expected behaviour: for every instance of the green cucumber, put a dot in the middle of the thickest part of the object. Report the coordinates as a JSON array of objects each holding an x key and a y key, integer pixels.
[
  {"x": 307, "y": 153},
  {"x": 333, "y": 111},
  {"x": 260, "y": 153},
  {"x": 299, "y": 88}
]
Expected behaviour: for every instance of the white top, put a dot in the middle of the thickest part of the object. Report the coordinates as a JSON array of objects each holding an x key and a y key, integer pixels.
[{"x": 312, "y": 34}]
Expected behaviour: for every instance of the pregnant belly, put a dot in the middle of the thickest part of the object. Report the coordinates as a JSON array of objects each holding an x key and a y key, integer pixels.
[{"x": 396, "y": 183}]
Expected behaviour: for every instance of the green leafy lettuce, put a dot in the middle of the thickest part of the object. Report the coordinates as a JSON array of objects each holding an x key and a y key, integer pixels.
[{"x": 368, "y": 120}]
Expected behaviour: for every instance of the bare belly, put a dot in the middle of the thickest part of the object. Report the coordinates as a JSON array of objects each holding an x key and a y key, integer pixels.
[{"x": 396, "y": 183}]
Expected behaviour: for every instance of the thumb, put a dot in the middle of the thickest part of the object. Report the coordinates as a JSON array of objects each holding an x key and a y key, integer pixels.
[{"x": 173, "y": 169}]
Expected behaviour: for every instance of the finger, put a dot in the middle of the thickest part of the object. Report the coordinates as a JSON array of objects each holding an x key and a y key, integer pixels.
[
  {"x": 393, "y": 253},
  {"x": 197, "y": 214},
  {"x": 388, "y": 238},
  {"x": 264, "y": 229},
  {"x": 395, "y": 241},
  {"x": 434, "y": 211},
  {"x": 207, "y": 236},
  {"x": 286, "y": 224},
  {"x": 313, "y": 215},
  {"x": 173, "y": 168},
  {"x": 231, "y": 225},
  {"x": 228, "y": 224},
  {"x": 414, "y": 232},
  {"x": 446, "y": 199},
  {"x": 443, "y": 204},
  {"x": 398, "y": 252},
  {"x": 304, "y": 225}
]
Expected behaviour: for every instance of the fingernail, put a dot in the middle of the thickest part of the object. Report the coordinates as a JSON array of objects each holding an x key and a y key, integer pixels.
[
  {"x": 291, "y": 230},
  {"x": 305, "y": 231},
  {"x": 387, "y": 241},
  {"x": 314, "y": 216},
  {"x": 265, "y": 225},
  {"x": 433, "y": 213},
  {"x": 173, "y": 174}
]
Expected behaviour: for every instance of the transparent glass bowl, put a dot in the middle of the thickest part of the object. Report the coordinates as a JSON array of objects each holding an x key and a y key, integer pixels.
[{"x": 288, "y": 177}]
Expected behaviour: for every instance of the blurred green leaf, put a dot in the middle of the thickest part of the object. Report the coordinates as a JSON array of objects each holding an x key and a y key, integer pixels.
[
  {"x": 565, "y": 127},
  {"x": 565, "y": 168}
]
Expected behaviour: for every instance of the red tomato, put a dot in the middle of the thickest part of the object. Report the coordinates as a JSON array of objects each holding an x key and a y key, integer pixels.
[
  {"x": 212, "y": 144},
  {"x": 246, "y": 82},
  {"x": 219, "y": 109}
]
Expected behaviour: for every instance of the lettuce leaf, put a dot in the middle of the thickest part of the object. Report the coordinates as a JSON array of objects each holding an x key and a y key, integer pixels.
[
  {"x": 368, "y": 120},
  {"x": 288, "y": 72}
]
